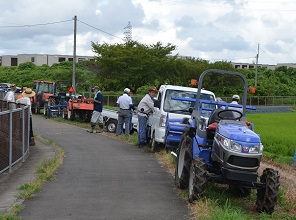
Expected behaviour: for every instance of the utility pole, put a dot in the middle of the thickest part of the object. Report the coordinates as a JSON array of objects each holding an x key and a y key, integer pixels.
[
  {"x": 256, "y": 74},
  {"x": 74, "y": 56}
]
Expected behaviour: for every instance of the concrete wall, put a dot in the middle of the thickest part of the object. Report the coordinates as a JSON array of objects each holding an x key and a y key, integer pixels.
[{"x": 40, "y": 59}]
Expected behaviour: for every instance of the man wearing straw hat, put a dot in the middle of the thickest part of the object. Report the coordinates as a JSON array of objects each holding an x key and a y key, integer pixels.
[{"x": 25, "y": 100}]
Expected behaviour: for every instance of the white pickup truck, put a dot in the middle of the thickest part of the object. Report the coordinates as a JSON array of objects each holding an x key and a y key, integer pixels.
[
  {"x": 177, "y": 109},
  {"x": 111, "y": 120}
]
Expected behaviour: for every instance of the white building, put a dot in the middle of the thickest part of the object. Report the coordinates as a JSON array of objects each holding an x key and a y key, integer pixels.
[{"x": 39, "y": 59}]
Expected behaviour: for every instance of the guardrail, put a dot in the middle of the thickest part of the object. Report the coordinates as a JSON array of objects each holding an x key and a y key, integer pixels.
[{"x": 14, "y": 135}]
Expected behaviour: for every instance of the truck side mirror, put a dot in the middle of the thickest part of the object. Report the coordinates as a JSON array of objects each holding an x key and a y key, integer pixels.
[{"x": 157, "y": 103}]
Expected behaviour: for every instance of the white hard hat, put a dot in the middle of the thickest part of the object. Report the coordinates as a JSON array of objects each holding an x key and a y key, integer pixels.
[
  {"x": 126, "y": 90},
  {"x": 236, "y": 97}
]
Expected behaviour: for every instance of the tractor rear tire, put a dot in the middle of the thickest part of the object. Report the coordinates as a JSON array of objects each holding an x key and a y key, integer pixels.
[
  {"x": 197, "y": 179},
  {"x": 184, "y": 157},
  {"x": 267, "y": 196},
  {"x": 37, "y": 108}
]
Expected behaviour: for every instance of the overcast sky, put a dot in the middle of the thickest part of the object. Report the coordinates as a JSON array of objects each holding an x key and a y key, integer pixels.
[{"x": 228, "y": 30}]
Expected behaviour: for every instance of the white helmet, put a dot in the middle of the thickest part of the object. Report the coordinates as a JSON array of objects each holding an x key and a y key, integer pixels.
[
  {"x": 236, "y": 97},
  {"x": 126, "y": 90}
]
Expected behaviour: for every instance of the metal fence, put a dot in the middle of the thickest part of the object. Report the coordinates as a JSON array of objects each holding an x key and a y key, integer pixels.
[
  {"x": 110, "y": 100},
  {"x": 14, "y": 135}
]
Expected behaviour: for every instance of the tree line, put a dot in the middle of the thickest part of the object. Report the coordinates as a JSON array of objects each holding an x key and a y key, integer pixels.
[{"x": 137, "y": 66}]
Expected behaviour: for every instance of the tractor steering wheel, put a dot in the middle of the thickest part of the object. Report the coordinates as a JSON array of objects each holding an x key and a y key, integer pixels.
[{"x": 230, "y": 114}]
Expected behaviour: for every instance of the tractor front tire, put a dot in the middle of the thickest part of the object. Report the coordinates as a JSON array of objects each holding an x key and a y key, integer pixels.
[
  {"x": 267, "y": 196},
  {"x": 197, "y": 179},
  {"x": 184, "y": 157},
  {"x": 71, "y": 115},
  {"x": 64, "y": 114},
  {"x": 45, "y": 109}
]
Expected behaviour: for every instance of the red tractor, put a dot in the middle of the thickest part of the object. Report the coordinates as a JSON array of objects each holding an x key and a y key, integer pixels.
[
  {"x": 80, "y": 105},
  {"x": 43, "y": 90}
]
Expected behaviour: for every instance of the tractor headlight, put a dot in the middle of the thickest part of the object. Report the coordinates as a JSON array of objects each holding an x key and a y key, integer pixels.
[
  {"x": 229, "y": 144},
  {"x": 255, "y": 149},
  {"x": 235, "y": 146}
]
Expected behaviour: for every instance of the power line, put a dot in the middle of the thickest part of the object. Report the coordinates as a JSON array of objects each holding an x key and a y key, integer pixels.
[
  {"x": 33, "y": 25},
  {"x": 99, "y": 29}
]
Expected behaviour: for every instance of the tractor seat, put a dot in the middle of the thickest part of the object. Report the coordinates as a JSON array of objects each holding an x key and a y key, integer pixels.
[
  {"x": 213, "y": 126},
  {"x": 213, "y": 123}
]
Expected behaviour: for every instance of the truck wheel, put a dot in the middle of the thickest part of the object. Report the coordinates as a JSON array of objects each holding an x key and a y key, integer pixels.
[
  {"x": 111, "y": 126},
  {"x": 184, "y": 158},
  {"x": 197, "y": 179},
  {"x": 267, "y": 196},
  {"x": 155, "y": 146}
]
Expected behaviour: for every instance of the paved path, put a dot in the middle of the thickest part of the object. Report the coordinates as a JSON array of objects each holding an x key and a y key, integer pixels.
[{"x": 102, "y": 178}]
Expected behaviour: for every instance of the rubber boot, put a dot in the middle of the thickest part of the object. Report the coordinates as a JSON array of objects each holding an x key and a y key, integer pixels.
[
  {"x": 32, "y": 141},
  {"x": 92, "y": 129},
  {"x": 100, "y": 129}
]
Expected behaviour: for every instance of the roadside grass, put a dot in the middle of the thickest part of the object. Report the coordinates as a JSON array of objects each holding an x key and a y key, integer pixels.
[
  {"x": 276, "y": 133},
  {"x": 44, "y": 173}
]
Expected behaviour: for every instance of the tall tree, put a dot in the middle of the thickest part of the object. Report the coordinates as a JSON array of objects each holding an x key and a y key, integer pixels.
[{"x": 131, "y": 64}]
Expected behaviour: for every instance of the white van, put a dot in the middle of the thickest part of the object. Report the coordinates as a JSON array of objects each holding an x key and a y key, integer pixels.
[{"x": 164, "y": 104}]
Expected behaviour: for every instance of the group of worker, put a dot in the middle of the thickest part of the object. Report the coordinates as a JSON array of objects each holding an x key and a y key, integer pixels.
[
  {"x": 25, "y": 98},
  {"x": 126, "y": 109}
]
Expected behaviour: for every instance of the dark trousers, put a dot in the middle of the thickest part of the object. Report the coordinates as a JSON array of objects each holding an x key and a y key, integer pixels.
[{"x": 31, "y": 128}]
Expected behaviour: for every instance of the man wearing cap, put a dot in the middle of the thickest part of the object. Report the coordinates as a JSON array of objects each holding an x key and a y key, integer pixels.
[
  {"x": 235, "y": 101},
  {"x": 145, "y": 108},
  {"x": 125, "y": 104},
  {"x": 9, "y": 97},
  {"x": 25, "y": 100},
  {"x": 97, "y": 113}
]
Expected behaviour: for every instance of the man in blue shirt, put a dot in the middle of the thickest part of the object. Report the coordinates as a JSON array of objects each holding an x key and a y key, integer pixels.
[{"x": 97, "y": 113}]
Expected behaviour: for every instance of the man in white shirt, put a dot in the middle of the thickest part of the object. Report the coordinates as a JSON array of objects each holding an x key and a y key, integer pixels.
[
  {"x": 235, "y": 100},
  {"x": 9, "y": 97},
  {"x": 124, "y": 103}
]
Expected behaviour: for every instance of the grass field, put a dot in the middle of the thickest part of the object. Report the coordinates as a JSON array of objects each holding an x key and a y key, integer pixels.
[{"x": 277, "y": 132}]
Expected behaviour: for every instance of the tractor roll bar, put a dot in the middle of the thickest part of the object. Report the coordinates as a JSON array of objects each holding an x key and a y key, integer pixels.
[{"x": 244, "y": 98}]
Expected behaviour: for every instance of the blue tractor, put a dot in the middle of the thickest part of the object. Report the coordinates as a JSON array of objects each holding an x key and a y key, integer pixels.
[{"x": 218, "y": 145}]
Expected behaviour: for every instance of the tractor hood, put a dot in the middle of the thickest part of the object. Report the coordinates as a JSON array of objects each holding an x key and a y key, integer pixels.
[{"x": 237, "y": 131}]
